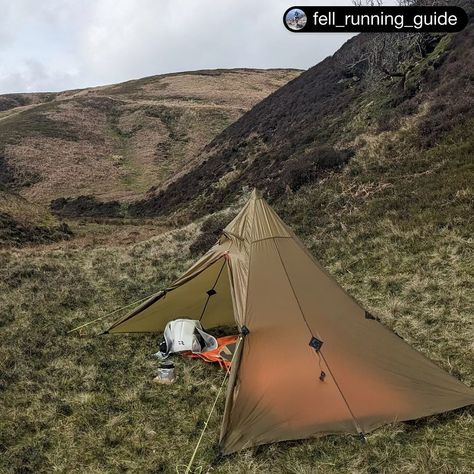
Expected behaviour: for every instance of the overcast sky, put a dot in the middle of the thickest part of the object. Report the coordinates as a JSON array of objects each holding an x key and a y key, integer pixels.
[{"x": 51, "y": 45}]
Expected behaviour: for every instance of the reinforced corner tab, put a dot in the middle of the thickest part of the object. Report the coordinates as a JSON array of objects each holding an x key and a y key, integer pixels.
[{"x": 316, "y": 344}]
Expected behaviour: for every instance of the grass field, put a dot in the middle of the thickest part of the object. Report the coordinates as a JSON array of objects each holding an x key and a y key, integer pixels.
[{"x": 395, "y": 228}]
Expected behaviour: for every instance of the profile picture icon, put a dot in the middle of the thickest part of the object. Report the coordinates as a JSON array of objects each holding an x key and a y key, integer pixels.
[{"x": 296, "y": 19}]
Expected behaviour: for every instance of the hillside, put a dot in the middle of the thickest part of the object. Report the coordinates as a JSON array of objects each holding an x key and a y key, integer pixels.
[
  {"x": 22, "y": 222},
  {"x": 115, "y": 142},
  {"x": 316, "y": 123},
  {"x": 368, "y": 156}
]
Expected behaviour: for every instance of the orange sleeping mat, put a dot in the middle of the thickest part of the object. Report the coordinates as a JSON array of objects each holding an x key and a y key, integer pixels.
[{"x": 222, "y": 354}]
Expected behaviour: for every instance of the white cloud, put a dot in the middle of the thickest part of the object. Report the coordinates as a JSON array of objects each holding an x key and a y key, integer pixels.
[
  {"x": 33, "y": 76},
  {"x": 60, "y": 44}
]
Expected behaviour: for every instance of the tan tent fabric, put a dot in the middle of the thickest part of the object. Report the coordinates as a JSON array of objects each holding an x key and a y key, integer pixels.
[
  {"x": 281, "y": 388},
  {"x": 187, "y": 297}
]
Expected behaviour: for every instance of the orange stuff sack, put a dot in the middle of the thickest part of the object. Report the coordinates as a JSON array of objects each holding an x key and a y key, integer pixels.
[{"x": 222, "y": 354}]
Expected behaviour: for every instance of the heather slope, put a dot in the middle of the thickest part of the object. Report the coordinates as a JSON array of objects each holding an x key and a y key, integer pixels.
[
  {"x": 315, "y": 124},
  {"x": 117, "y": 141},
  {"x": 22, "y": 222}
]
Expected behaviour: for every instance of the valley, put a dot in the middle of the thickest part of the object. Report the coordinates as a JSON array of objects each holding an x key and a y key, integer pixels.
[{"x": 107, "y": 194}]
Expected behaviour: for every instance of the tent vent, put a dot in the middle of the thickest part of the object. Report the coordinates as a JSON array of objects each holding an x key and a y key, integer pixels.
[
  {"x": 322, "y": 376},
  {"x": 244, "y": 330},
  {"x": 211, "y": 292},
  {"x": 316, "y": 344}
]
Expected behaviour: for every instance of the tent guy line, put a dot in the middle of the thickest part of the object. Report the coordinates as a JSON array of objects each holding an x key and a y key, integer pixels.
[
  {"x": 115, "y": 311},
  {"x": 206, "y": 423}
]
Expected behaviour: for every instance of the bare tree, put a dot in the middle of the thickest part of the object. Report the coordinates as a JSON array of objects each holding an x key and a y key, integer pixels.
[
  {"x": 419, "y": 3},
  {"x": 401, "y": 3},
  {"x": 367, "y": 3},
  {"x": 386, "y": 53}
]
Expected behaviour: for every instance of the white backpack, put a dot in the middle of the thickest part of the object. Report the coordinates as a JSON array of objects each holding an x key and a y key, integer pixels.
[{"x": 183, "y": 335}]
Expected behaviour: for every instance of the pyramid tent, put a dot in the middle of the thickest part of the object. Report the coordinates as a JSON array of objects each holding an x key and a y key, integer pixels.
[{"x": 311, "y": 360}]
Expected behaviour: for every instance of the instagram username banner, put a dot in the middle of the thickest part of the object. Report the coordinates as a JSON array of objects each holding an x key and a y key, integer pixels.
[{"x": 439, "y": 19}]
